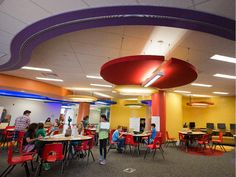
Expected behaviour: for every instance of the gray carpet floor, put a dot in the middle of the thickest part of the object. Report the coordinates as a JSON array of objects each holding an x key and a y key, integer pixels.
[{"x": 176, "y": 164}]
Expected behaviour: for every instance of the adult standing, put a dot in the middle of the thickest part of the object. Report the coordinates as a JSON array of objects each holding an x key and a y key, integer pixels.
[{"x": 23, "y": 122}]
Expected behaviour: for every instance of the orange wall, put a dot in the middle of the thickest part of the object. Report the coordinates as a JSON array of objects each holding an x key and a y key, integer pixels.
[{"x": 19, "y": 84}]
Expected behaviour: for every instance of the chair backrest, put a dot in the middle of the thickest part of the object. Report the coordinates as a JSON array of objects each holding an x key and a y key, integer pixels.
[
  {"x": 220, "y": 136},
  {"x": 56, "y": 132},
  {"x": 52, "y": 150},
  {"x": 181, "y": 136},
  {"x": 110, "y": 135},
  {"x": 167, "y": 135},
  {"x": 129, "y": 139},
  {"x": 157, "y": 140},
  {"x": 205, "y": 137}
]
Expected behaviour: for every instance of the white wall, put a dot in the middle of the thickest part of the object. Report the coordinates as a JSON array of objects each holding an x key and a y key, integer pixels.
[{"x": 39, "y": 110}]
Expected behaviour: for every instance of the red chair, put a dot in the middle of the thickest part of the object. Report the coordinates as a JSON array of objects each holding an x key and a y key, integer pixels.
[
  {"x": 56, "y": 132},
  {"x": 51, "y": 153},
  {"x": 111, "y": 143},
  {"x": 169, "y": 140},
  {"x": 86, "y": 147},
  {"x": 218, "y": 142},
  {"x": 203, "y": 141},
  {"x": 7, "y": 135},
  {"x": 129, "y": 140},
  {"x": 13, "y": 161},
  {"x": 182, "y": 141},
  {"x": 154, "y": 146}
]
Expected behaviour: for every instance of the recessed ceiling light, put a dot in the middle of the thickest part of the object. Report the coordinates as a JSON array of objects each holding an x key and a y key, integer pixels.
[
  {"x": 49, "y": 79},
  {"x": 225, "y": 76},
  {"x": 82, "y": 88},
  {"x": 94, "y": 77},
  {"x": 181, "y": 91},
  {"x": 223, "y": 58},
  {"x": 36, "y": 69},
  {"x": 221, "y": 93},
  {"x": 101, "y": 85},
  {"x": 102, "y": 95},
  {"x": 201, "y": 85}
]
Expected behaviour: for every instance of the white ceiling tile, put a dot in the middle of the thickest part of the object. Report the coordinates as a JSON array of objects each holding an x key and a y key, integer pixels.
[
  {"x": 10, "y": 24},
  {"x": 60, "y": 6},
  {"x": 176, "y": 3},
  {"x": 94, "y": 37},
  {"x": 102, "y": 3},
  {"x": 24, "y": 8},
  {"x": 218, "y": 7},
  {"x": 6, "y": 37}
]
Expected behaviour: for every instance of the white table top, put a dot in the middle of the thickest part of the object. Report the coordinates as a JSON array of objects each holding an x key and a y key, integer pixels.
[
  {"x": 192, "y": 133},
  {"x": 61, "y": 137}
]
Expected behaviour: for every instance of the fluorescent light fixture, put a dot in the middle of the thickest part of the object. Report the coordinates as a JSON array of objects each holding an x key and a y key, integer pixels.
[
  {"x": 221, "y": 93},
  {"x": 225, "y": 76},
  {"x": 49, "y": 79},
  {"x": 82, "y": 88},
  {"x": 81, "y": 98},
  {"x": 36, "y": 69},
  {"x": 94, "y": 77},
  {"x": 101, "y": 85},
  {"x": 133, "y": 90},
  {"x": 152, "y": 79},
  {"x": 181, "y": 91},
  {"x": 199, "y": 95},
  {"x": 224, "y": 58},
  {"x": 102, "y": 95},
  {"x": 201, "y": 85},
  {"x": 100, "y": 102}
]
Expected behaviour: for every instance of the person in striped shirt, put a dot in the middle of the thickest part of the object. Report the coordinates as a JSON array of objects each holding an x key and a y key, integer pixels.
[{"x": 23, "y": 122}]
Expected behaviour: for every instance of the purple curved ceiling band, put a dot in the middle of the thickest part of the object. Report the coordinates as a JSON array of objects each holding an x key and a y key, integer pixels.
[{"x": 26, "y": 40}]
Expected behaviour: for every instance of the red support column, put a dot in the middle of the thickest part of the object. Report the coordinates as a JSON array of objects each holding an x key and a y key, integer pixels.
[
  {"x": 159, "y": 109},
  {"x": 83, "y": 111}
]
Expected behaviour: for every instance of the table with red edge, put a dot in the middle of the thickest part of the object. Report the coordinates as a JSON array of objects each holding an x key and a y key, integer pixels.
[
  {"x": 139, "y": 135},
  {"x": 190, "y": 135},
  {"x": 66, "y": 141}
]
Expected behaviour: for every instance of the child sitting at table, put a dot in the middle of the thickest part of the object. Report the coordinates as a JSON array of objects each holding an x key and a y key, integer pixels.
[
  {"x": 117, "y": 137},
  {"x": 29, "y": 138},
  {"x": 41, "y": 133},
  {"x": 153, "y": 134}
]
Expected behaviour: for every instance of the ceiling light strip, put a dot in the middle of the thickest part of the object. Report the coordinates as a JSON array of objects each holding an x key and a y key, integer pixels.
[
  {"x": 94, "y": 77},
  {"x": 225, "y": 76},
  {"x": 49, "y": 79},
  {"x": 36, "y": 69},
  {"x": 201, "y": 85},
  {"x": 101, "y": 85},
  {"x": 223, "y": 58},
  {"x": 102, "y": 95}
]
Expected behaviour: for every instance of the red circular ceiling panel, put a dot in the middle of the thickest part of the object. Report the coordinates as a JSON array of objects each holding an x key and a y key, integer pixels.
[{"x": 134, "y": 70}]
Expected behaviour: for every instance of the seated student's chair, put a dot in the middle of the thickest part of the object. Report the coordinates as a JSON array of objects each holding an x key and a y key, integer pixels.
[
  {"x": 129, "y": 140},
  {"x": 154, "y": 146},
  {"x": 112, "y": 144},
  {"x": 13, "y": 161}
]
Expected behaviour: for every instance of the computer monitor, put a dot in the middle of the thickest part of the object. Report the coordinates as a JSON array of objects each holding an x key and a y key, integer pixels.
[
  {"x": 210, "y": 125},
  {"x": 191, "y": 125},
  {"x": 221, "y": 126},
  {"x": 232, "y": 126}
]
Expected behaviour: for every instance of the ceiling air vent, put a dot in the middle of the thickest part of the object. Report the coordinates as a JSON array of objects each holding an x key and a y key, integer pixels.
[{"x": 49, "y": 75}]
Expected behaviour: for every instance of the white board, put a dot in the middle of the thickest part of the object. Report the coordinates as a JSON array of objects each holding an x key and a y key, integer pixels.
[
  {"x": 134, "y": 124},
  {"x": 156, "y": 120}
]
